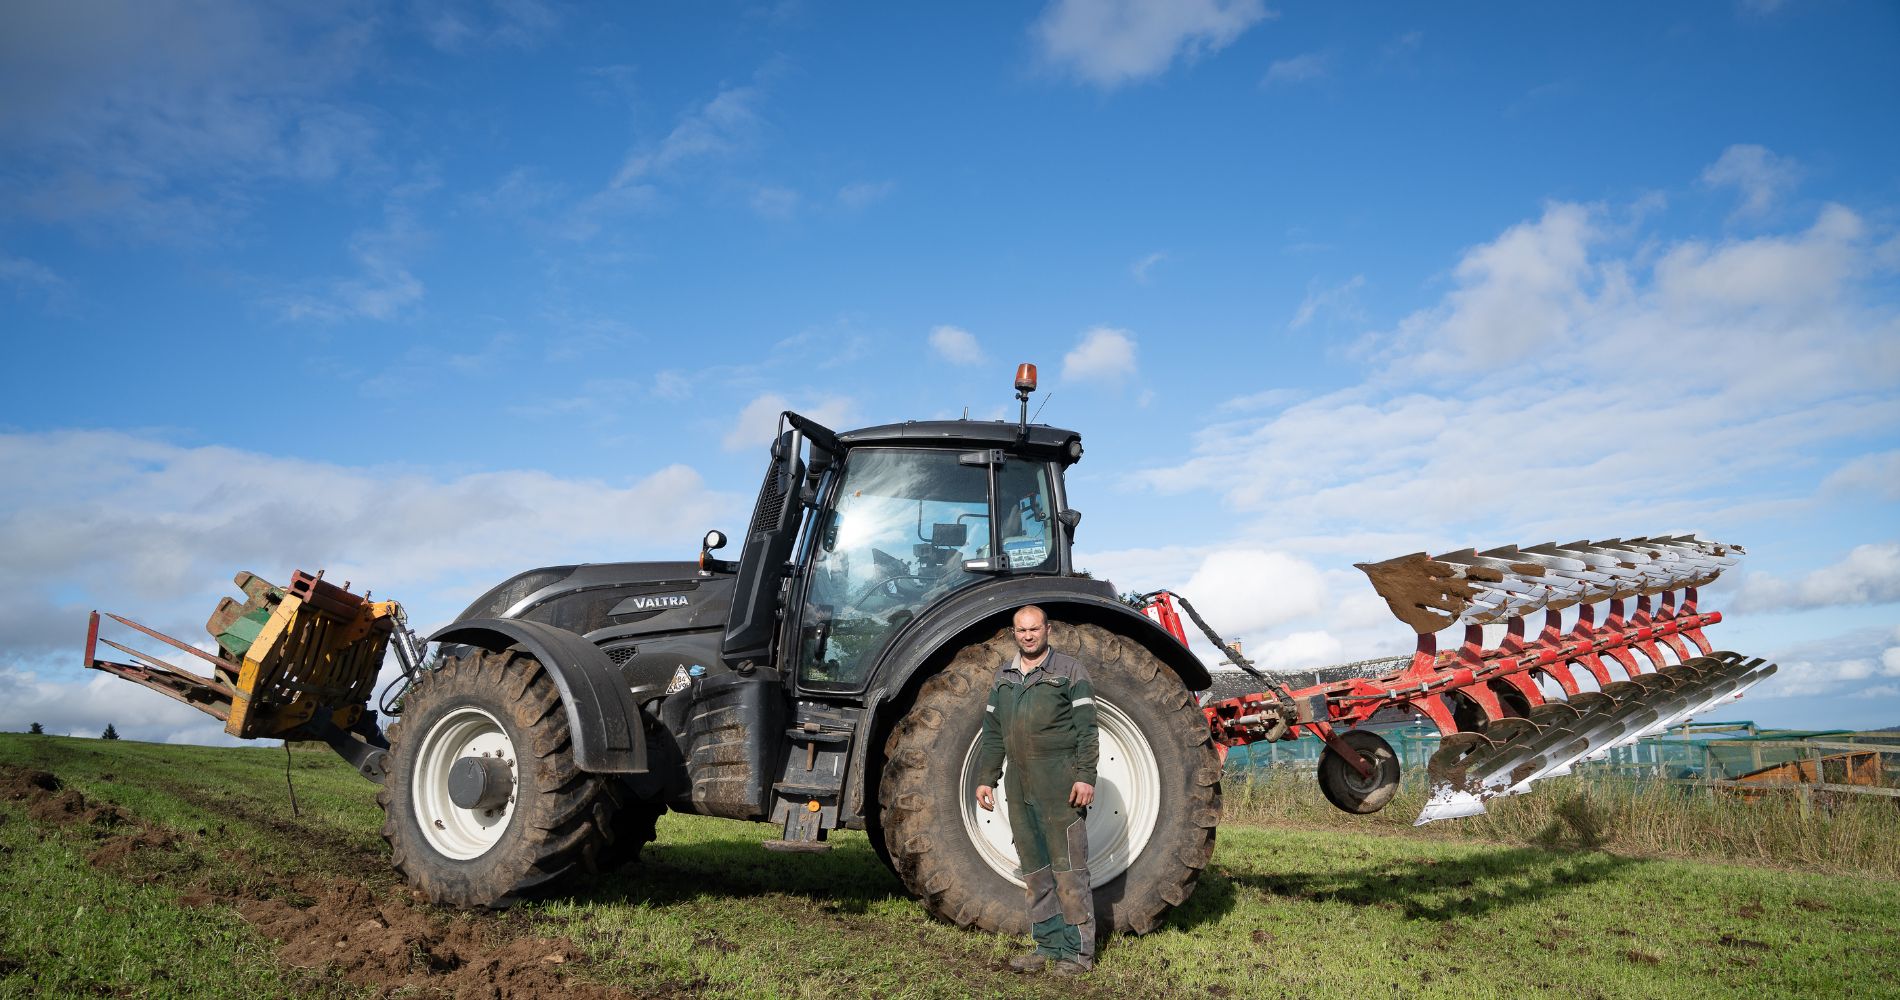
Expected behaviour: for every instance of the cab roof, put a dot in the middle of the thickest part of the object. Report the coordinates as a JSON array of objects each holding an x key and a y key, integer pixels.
[{"x": 1041, "y": 441}]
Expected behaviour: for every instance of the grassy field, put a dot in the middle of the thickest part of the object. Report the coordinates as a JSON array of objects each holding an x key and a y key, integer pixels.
[
  {"x": 1840, "y": 833},
  {"x": 148, "y": 870}
]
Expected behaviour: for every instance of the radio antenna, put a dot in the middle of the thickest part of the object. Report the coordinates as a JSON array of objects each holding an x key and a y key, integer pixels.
[{"x": 1045, "y": 402}]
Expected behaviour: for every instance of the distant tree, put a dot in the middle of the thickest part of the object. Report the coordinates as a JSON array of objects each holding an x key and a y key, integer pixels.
[
  {"x": 37, "y": 730},
  {"x": 110, "y": 733}
]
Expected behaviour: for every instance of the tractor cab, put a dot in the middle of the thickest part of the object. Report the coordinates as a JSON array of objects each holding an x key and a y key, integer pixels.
[
  {"x": 888, "y": 521},
  {"x": 901, "y": 524}
]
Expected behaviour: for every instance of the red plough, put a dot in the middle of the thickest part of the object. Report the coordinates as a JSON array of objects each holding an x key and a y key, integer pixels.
[{"x": 1527, "y": 707}]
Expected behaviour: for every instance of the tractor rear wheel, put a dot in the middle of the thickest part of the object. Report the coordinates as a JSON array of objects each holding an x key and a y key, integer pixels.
[
  {"x": 483, "y": 803},
  {"x": 1151, "y": 830}
]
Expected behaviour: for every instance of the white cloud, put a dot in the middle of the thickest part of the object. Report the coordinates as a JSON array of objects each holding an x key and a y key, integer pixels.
[
  {"x": 1758, "y": 175},
  {"x": 725, "y": 124},
  {"x": 1141, "y": 267},
  {"x": 128, "y": 523},
  {"x": 24, "y": 273},
  {"x": 957, "y": 346},
  {"x": 154, "y": 531},
  {"x": 1402, "y": 46},
  {"x": 384, "y": 285},
  {"x": 758, "y": 422},
  {"x": 773, "y": 202},
  {"x": 1297, "y": 69},
  {"x": 83, "y": 704},
  {"x": 1869, "y": 574},
  {"x": 1515, "y": 295},
  {"x": 1337, "y": 299},
  {"x": 1841, "y": 665},
  {"x": 30, "y": 279},
  {"x": 1112, "y": 42},
  {"x": 1875, "y": 477},
  {"x": 1513, "y": 409},
  {"x": 1290, "y": 614},
  {"x": 1104, "y": 354},
  {"x": 1244, "y": 591},
  {"x": 864, "y": 194},
  {"x": 1298, "y": 650},
  {"x": 1789, "y": 273},
  {"x": 458, "y": 27},
  {"x": 672, "y": 385}
]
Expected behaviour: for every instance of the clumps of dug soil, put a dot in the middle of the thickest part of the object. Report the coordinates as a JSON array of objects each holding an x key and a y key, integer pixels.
[
  {"x": 391, "y": 944},
  {"x": 332, "y": 922},
  {"x": 48, "y": 800}
]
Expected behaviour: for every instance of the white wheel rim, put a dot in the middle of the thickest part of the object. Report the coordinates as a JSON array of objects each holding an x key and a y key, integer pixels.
[
  {"x": 1127, "y": 802},
  {"x": 458, "y": 833}
]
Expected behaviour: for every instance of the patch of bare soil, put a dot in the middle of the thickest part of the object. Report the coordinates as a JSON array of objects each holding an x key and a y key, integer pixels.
[
  {"x": 331, "y": 922},
  {"x": 393, "y": 945},
  {"x": 48, "y": 800},
  {"x": 121, "y": 853}
]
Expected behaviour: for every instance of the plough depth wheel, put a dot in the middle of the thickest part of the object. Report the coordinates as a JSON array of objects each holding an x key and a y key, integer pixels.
[{"x": 1351, "y": 791}]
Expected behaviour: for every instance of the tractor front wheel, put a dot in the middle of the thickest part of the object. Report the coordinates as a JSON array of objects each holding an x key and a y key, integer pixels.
[
  {"x": 483, "y": 803},
  {"x": 1150, "y": 831}
]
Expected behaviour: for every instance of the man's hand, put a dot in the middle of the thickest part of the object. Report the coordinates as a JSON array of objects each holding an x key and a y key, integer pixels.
[
  {"x": 1081, "y": 795},
  {"x": 986, "y": 797}
]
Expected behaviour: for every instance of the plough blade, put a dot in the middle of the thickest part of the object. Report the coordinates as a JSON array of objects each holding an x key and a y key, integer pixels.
[
  {"x": 1470, "y": 587},
  {"x": 1470, "y": 768}
]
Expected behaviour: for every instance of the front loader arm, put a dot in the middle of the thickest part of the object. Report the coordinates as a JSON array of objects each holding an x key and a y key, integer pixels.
[{"x": 293, "y": 663}]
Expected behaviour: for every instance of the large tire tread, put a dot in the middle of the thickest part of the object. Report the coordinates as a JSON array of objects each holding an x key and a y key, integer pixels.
[
  {"x": 957, "y": 885},
  {"x": 563, "y": 818}
]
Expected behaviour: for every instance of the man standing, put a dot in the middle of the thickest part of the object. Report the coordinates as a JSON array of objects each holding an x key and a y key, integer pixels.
[{"x": 1041, "y": 716}]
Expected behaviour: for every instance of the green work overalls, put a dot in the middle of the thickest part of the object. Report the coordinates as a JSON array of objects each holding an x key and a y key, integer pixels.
[{"x": 1044, "y": 723}]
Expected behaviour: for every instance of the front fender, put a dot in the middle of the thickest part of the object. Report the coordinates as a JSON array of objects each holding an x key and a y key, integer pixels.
[
  {"x": 602, "y": 719},
  {"x": 985, "y": 607}
]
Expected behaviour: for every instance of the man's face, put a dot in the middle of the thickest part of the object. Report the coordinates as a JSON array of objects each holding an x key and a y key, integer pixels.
[{"x": 1032, "y": 634}]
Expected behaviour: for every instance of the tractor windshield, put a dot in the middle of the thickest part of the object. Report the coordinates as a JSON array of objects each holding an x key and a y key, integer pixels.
[{"x": 899, "y": 528}]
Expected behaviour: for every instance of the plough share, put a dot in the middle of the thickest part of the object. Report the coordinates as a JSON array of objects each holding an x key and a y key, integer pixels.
[{"x": 1522, "y": 708}]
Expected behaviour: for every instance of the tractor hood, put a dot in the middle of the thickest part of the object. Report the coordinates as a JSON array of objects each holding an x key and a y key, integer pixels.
[{"x": 604, "y": 600}]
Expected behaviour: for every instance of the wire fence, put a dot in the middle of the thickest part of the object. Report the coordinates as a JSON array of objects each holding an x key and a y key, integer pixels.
[{"x": 1732, "y": 755}]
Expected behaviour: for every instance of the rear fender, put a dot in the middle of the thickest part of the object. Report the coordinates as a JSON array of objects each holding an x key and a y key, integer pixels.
[
  {"x": 974, "y": 615},
  {"x": 602, "y": 717}
]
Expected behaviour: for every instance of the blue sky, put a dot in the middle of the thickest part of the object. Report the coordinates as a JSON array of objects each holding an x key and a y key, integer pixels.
[{"x": 427, "y": 293}]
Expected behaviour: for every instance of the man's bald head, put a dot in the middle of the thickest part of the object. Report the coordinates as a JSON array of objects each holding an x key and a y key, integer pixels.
[{"x": 1032, "y": 631}]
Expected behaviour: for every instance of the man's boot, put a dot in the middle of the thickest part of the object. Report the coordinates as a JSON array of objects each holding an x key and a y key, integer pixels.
[
  {"x": 1035, "y": 961},
  {"x": 1073, "y": 966}
]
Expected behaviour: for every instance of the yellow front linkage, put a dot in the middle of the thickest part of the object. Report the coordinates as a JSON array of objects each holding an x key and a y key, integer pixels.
[{"x": 298, "y": 663}]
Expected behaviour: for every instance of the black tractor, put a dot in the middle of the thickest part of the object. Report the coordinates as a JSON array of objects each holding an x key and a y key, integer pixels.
[{"x": 833, "y": 675}]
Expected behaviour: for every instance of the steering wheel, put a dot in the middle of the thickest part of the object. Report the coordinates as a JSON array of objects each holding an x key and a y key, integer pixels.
[{"x": 889, "y": 581}]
